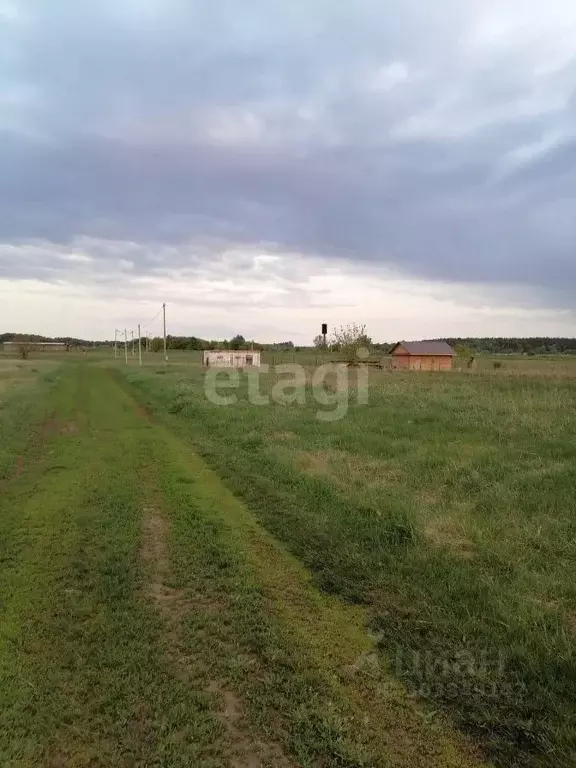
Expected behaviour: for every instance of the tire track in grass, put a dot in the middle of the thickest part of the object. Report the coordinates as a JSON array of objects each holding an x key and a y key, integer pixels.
[
  {"x": 83, "y": 677},
  {"x": 148, "y": 620},
  {"x": 246, "y": 748},
  {"x": 173, "y": 605},
  {"x": 291, "y": 654}
]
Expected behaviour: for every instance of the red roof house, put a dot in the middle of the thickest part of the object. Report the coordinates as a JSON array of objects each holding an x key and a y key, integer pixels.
[{"x": 422, "y": 355}]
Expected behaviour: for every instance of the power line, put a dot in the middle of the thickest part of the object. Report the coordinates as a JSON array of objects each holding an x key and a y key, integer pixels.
[{"x": 155, "y": 316}]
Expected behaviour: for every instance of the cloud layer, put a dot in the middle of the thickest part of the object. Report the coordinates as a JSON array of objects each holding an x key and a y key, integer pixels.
[{"x": 155, "y": 137}]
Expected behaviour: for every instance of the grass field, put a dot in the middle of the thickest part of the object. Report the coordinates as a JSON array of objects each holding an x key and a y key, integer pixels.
[
  {"x": 544, "y": 365},
  {"x": 188, "y": 584}
]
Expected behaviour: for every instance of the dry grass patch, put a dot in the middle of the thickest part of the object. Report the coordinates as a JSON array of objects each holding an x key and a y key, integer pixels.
[
  {"x": 449, "y": 534},
  {"x": 346, "y": 469},
  {"x": 285, "y": 437}
]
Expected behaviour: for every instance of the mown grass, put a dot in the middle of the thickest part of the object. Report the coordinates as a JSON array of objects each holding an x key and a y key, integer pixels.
[
  {"x": 448, "y": 507},
  {"x": 258, "y": 627},
  {"x": 148, "y": 620},
  {"x": 24, "y": 387},
  {"x": 83, "y": 675}
]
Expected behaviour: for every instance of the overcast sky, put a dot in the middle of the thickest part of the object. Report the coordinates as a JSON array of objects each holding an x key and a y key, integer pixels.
[{"x": 265, "y": 166}]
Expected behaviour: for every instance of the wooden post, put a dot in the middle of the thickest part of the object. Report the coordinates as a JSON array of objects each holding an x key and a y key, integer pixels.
[{"x": 164, "y": 318}]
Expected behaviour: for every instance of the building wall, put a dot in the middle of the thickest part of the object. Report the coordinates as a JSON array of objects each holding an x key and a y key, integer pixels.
[
  {"x": 401, "y": 361},
  {"x": 422, "y": 362},
  {"x": 435, "y": 363},
  {"x": 445, "y": 363},
  {"x": 231, "y": 358}
]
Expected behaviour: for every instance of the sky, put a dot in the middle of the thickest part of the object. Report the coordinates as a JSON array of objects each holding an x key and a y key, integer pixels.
[{"x": 264, "y": 167}]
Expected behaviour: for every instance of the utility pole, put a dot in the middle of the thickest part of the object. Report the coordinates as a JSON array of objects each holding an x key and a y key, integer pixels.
[
  {"x": 133, "y": 348},
  {"x": 115, "y": 343},
  {"x": 139, "y": 346},
  {"x": 164, "y": 318},
  {"x": 126, "y": 345}
]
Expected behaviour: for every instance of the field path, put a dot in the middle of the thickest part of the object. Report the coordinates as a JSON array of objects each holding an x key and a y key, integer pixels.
[{"x": 148, "y": 620}]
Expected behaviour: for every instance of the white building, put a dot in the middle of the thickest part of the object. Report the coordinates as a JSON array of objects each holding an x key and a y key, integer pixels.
[{"x": 231, "y": 358}]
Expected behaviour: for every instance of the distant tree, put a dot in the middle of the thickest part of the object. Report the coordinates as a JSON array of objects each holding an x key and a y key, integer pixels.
[
  {"x": 465, "y": 354},
  {"x": 280, "y": 345},
  {"x": 509, "y": 346},
  {"x": 156, "y": 344},
  {"x": 318, "y": 341},
  {"x": 24, "y": 345},
  {"x": 365, "y": 341},
  {"x": 237, "y": 342},
  {"x": 382, "y": 347},
  {"x": 196, "y": 343},
  {"x": 350, "y": 340}
]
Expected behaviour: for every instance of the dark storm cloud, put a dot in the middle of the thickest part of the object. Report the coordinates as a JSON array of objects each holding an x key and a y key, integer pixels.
[{"x": 413, "y": 139}]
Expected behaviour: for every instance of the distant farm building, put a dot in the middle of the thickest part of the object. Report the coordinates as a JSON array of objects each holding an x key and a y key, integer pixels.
[
  {"x": 231, "y": 358},
  {"x": 422, "y": 355}
]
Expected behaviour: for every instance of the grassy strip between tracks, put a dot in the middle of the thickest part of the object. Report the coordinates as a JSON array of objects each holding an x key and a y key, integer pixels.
[{"x": 147, "y": 619}]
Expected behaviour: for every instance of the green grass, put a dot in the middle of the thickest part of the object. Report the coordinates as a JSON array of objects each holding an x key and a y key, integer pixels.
[
  {"x": 263, "y": 631},
  {"x": 544, "y": 365},
  {"x": 148, "y": 620},
  {"x": 447, "y": 508},
  {"x": 83, "y": 678},
  {"x": 24, "y": 388}
]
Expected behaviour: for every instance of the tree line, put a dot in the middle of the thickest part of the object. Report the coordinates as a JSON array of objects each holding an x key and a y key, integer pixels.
[
  {"x": 339, "y": 339},
  {"x": 236, "y": 342},
  {"x": 34, "y": 338},
  {"x": 534, "y": 345}
]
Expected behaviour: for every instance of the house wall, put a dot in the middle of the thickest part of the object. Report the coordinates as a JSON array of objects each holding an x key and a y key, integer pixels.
[
  {"x": 445, "y": 363},
  {"x": 421, "y": 362},
  {"x": 435, "y": 363},
  {"x": 401, "y": 361},
  {"x": 231, "y": 358}
]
